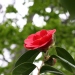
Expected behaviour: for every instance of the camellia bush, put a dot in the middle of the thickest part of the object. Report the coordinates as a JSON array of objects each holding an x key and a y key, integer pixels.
[{"x": 43, "y": 41}]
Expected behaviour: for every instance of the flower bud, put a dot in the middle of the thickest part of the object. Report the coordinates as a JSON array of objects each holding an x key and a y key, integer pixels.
[{"x": 50, "y": 61}]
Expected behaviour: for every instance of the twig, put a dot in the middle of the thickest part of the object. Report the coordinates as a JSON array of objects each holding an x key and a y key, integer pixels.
[{"x": 42, "y": 63}]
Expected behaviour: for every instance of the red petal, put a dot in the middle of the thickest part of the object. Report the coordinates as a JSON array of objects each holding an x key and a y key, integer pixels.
[
  {"x": 36, "y": 42},
  {"x": 36, "y": 37},
  {"x": 45, "y": 40},
  {"x": 29, "y": 39},
  {"x": 43, "y": 33},
  {"x": 42, "y": 41},
  {"x": 29, "y": 47},
  {"x": 51, "y": 31}
]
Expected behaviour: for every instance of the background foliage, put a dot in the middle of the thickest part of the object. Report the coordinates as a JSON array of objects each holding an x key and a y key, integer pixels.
[{"x": 65, "y": 35}]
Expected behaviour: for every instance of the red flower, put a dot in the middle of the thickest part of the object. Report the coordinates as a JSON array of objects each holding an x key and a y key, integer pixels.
[{"x": 40, "y": 40}]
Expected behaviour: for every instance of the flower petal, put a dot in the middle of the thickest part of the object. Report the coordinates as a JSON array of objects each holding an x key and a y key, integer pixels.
[
  {"x": 36, "y": 37},
  {"x": 51, "y": 31},
  {"x": 43, "y": 32},
  {"x": 29, "y": 39}
]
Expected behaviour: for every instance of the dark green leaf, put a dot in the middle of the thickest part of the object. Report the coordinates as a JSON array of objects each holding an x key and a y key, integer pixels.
[
  {"x": 69, "y": 66},
  {"x": 64, "y": 54},
  {"x": 23, "y": 69},
  {"x": 29, "y": 56},
  {"x": 66, "y": 59},
  {"x": 51, "y": 70}
]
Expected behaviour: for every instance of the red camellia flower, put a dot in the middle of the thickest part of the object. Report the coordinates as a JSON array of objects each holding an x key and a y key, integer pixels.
[{"x": 40, "y": 40}]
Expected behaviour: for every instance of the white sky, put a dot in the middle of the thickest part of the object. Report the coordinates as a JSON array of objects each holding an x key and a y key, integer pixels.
[{"x": 22, "y": 11}]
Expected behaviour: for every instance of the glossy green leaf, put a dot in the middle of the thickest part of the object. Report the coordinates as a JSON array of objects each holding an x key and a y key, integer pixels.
[
  {"x": 66, "y": 59},
  {"x": 29, "y": 56},
  {"x": 50, "y": 69},
  {"x": 23, "y": 69},
  {"x": 64, "y": 54},
  {"x": 65, "y": 65},
  {"x": 69, "y": 66}
]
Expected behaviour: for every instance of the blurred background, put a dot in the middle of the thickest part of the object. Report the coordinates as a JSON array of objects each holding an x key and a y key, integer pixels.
[{"x": 20, "y": 18}]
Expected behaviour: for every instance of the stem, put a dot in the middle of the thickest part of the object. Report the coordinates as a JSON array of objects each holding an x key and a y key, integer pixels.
[{"x": 42, "y": 63}]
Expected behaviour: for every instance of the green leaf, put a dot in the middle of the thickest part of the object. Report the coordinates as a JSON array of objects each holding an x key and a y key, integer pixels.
[
  {"x": 69, "y": 66},
  {"x": 23, "y": 69},
  {"x": 11, "y": 9},
  {"x": 65, "y": 65},
  {"x": 64, "y": 54},
  {"x": 29, "y": 56},
  {"x": 66, "y": 59},
  {"x": 50, "y": 69},
  {"x": 69, "y": 5}
]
